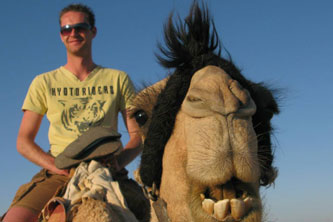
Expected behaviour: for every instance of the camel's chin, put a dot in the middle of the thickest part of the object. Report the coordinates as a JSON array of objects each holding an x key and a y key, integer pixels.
[{"x": 229, "y": 202}]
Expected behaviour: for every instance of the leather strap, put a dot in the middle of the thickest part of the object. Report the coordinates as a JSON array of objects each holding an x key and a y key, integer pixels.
[
  {"x": 54, "y": 211},
  {"x": 160, "y": 208}
]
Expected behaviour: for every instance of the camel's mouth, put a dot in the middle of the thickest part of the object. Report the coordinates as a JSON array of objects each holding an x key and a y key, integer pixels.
[{"x": 229, "y": 202}]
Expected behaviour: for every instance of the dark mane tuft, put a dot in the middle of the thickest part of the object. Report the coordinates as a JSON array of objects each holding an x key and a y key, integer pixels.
[{"x": 187, "y": 43}]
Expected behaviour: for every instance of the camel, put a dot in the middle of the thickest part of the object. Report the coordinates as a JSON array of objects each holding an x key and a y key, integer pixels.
[
  {"x": 206, "y": 129},
  {"x": 206, "y": 132}
]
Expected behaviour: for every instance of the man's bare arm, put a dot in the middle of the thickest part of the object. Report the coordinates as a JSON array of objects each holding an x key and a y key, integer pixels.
[
  {"x": 133, "y": 148},
  {"x": 28, "y": 148}
]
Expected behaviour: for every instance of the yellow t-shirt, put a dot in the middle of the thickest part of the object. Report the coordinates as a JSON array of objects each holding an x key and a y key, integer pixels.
[{"x": 72, "y": 106}]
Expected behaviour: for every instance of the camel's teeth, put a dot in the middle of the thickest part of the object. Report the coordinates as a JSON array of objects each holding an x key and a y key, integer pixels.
[
  {"x": 248, "y": 204},
  {"x": 237, "y": 208},
  {"x": 221, "y": 209},
  {"x": 208, "y": 206}
]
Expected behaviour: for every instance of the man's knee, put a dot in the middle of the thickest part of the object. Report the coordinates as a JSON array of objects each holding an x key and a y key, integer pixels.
[{"x": 17, "y": 214}]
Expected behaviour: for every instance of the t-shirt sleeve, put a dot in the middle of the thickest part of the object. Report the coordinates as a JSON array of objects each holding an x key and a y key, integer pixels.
[
  {"x": 127, "y": 92},
  {"x": 35, "y": 99}
]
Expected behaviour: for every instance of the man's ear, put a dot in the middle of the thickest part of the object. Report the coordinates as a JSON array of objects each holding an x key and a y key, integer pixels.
[
  {"x": 94, "y": 31},
  {"x": 61, "y": 37}
]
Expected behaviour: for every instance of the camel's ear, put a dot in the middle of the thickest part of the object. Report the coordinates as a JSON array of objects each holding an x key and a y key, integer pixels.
[{"x": 152, "y": 91}]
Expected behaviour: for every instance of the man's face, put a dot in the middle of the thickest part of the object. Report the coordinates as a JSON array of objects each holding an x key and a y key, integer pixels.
[{"x": 77, "y": 42}]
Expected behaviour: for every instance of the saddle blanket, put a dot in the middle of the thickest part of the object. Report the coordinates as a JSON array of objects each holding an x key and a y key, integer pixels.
[{"x": 92, "y": 180}]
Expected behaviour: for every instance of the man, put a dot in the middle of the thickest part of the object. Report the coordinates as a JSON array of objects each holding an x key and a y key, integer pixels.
[{"x": 74, "y": 97}]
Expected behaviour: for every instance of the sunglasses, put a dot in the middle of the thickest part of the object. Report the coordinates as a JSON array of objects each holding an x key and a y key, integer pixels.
[{"x": 80, "y": 27}]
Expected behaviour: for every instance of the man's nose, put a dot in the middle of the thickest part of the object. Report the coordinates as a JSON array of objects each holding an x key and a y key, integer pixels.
[{"x": 73, "y": 32}]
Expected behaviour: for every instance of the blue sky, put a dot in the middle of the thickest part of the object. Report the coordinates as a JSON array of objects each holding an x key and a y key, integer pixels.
[{"x": 287, "y": 44}]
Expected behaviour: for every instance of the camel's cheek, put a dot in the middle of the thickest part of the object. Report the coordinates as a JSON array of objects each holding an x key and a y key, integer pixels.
[
  {"x": 208, "y": 149},
  {"x": 174, "y": 184},
  {"x": 245, "y": 149},
  {"x": 220, "y": 148}
]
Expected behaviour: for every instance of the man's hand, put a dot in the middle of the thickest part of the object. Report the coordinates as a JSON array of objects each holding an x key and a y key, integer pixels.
[
  {"x": 110, "y": 162},
  {"x": 64, "y": 172}
]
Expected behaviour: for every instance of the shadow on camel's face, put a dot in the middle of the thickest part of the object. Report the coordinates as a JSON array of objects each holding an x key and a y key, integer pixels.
[{"x": 211, "y": 169}]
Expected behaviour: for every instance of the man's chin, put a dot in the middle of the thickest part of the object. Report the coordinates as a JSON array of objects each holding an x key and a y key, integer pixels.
[{"x": 77, "y": 51}]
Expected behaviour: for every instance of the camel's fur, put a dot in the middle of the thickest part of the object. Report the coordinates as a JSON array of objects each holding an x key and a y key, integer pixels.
[
  {"x": 92, "y": 210},
  {"x": 207, "y": 130},
  {"x": 213, "y": 141}
]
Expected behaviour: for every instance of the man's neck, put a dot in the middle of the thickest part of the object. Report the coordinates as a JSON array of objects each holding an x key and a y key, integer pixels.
[{"x": 79, "y": 66}]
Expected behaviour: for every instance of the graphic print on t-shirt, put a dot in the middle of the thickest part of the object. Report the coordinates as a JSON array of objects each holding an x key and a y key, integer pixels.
[{"x": 80, "y": 114}]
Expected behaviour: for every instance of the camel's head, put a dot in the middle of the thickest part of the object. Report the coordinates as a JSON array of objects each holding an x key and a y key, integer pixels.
[{"x": 207, "y": 131}]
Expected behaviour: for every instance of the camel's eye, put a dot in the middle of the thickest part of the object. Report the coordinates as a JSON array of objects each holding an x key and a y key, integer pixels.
[{"x": 141, "y": 117}]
